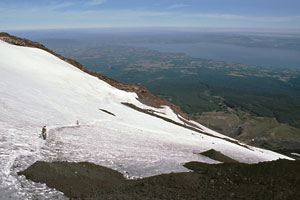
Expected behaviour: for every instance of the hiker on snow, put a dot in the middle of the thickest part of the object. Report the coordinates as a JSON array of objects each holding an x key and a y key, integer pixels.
[{"x": 44, "y": 132}]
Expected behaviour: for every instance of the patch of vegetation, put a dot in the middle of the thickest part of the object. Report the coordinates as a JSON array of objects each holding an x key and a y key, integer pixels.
[
  {"x": 257, "y": 131},
  {"x": 192, "y": 83}
]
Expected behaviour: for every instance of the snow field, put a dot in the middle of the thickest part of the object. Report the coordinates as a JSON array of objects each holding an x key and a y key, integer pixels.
[{"x": 37, "y": 88}]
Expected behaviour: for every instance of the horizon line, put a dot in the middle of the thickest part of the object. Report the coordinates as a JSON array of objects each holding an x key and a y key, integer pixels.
[{"x": 177, "y": 28}]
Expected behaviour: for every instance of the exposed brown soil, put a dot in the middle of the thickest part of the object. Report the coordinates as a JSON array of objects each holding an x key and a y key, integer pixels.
[
  {"x": 143, "y": 94},
  {"x": 270, "y": 180}
]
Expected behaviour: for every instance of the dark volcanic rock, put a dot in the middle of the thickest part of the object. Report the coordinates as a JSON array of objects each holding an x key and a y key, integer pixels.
[
  {"x": 74, "y": 179},
  {"x": 216, "y": 155},
  {"x": 269, "y": 180}
]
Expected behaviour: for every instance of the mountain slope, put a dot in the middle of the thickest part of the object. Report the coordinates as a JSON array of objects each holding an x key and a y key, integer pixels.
[
  {"x": 143, "y": 94},
  {"x": 38, "y": 88}
]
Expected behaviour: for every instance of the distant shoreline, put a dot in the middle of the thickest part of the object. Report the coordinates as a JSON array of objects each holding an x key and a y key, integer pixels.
[{"x": 222, "y": 52}]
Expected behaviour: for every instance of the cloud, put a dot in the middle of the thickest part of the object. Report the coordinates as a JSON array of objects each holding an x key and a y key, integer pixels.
[
  {"x": 74, "y": 15},
  {"x": 174, "y": 6},
  {"x": 217, "y": 16},
  {"x": 96, "y": 2},
  {"x": 268, "y": 19},
  {"x": 116, "y": 15},
  {"x": 59, "y": 6},
  {"x": 276, "y": 19}
]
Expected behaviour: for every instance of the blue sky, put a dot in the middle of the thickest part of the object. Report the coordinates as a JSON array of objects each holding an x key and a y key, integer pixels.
[{"x": 52, "y": 14}]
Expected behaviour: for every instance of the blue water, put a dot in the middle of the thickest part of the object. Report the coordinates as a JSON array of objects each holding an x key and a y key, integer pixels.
[{"x": 268, "y": 57}]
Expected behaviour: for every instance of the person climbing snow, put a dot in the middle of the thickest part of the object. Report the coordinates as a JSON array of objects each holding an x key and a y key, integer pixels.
[{"x": 44, "y": 132}]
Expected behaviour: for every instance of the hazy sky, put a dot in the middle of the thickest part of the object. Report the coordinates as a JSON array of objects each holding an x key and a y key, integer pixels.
[{"x": 48, "y": 14}]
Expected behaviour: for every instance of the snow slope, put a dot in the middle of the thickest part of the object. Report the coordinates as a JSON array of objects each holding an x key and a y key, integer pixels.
[{"x": 37, "y": 88}]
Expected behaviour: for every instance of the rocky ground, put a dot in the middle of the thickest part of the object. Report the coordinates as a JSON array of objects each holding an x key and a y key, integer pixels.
[{"x": 270, "y": 180}]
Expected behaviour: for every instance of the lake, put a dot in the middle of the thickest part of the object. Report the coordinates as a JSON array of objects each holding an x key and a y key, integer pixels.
[{"x": 268, "y": 57}]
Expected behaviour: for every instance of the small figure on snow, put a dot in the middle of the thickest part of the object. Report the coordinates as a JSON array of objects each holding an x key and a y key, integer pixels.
[
  {"x": 77, "y": 122},
  {"x": 44, "y": 132}
]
